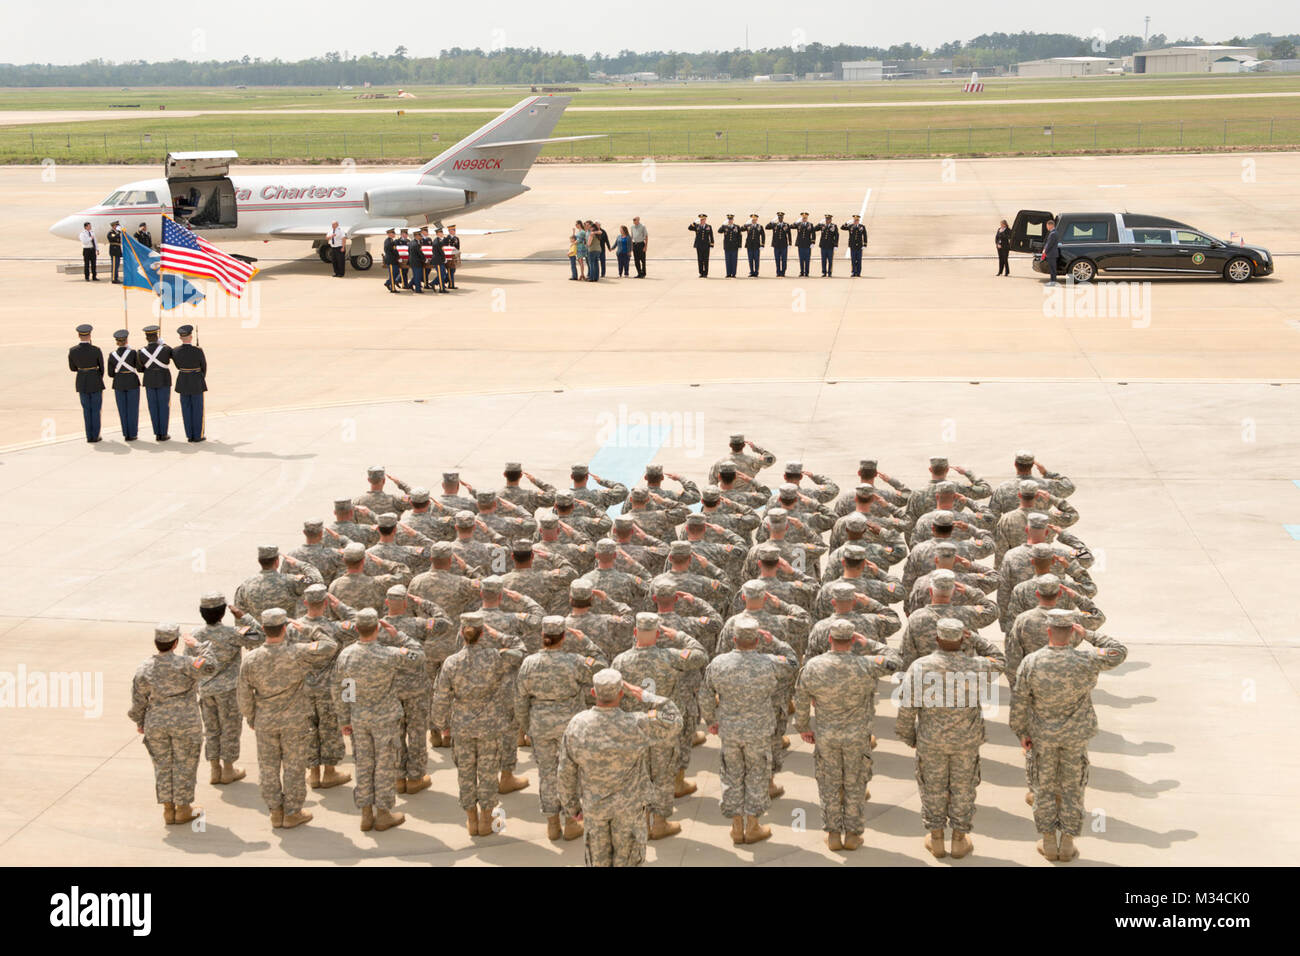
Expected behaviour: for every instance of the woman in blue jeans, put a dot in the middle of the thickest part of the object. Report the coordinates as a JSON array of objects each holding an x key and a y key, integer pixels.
[
  {"x": 593, "y": 252},
  {"x": 580, "y": 237},
  {"x": 623, "y": 249}
]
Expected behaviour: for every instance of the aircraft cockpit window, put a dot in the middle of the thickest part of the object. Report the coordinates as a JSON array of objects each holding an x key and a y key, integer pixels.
[{"x": 113, "y": 199}]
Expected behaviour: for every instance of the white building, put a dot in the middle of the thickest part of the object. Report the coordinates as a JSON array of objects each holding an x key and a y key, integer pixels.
[
  {"x": 1234, "y": 63},
  {"x": 1070, "y": 66},
  {"x": 1186, "y": 59},
  {"x": 862, "y": 70}
]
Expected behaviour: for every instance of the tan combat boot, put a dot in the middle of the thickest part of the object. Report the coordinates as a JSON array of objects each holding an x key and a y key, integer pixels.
[
  {"x": 553, "y": 829},
  {"x": 277, "y": 817},
  {"x": 572, "y": 828},
  {"x": 313, "y": 778},
  {"x": 1029, "y": 797},
  {"x": 785, "y": 743},
  {"x": 332, "y": 778},
  {"x": 401, "y": 785},
  {"x": 1047, "y": 846},
  {"x": 367, "y": 819},
  {"x": 961, "y": 844},
  {"x": 874, "y": 742},
  {"x": 934, "y": 843},
  {"x": 833, "y": 841},
  {"x": 485, "y": 827},
  {"x": 510, "y": 783},
  {"x": 471, "y": 821},
  {"x": 660, "y": 827},
  {"x": 386, "y": 819},
  {"x": 230, "y": 773},
  {"x": 852, "y": 841},
  {"x": 524, "y": 740},
  {"x": 699, "y": 738},
  {"x": 681, "y": 786},
  {"x": 169, "y": 813},
  {"x": 186, "y": 812},
  {"x": 774, "y": 789},
  {"x": 296, "y": 818},
  {"x": 1068, "y": 851},
  {"x": 866, "y": 794},
  {"x": 738, "y": 830},
  {"x": 435, "y": 739},
  {"x": 756, "y": 832},
  {"x": 216, "y": 771},
  {"x": 416, "y": 784}
]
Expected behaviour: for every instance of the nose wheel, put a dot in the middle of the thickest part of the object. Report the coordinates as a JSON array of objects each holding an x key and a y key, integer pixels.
[{"x": 362, "y": 262}]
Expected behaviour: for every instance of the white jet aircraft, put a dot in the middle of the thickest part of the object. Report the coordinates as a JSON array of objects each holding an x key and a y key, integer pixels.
[{"x": 197, "y": 190}]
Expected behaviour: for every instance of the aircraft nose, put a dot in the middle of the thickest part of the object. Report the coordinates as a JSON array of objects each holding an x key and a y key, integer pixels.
[{"x": 69, "y": 227}]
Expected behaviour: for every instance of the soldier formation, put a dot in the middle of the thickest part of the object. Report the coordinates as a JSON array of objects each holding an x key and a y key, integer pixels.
[
  {"x": 803, "y": 235},
  {"x": 485, "y": 621}
]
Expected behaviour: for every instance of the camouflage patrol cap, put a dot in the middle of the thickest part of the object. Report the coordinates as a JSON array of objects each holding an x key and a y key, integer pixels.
[
  {"x": 856, "y": 521},
  {"x": 788, "y": 492},
  {"x": 679, "y": 549},
  {"x": 607, "y": 684},
  {"x": 855, "y": 552},
  {"x": 315, "y": 593},
  {"x": 420, "y": 496},
  {"x": 863, "y": 492},
  {"x": 640, "y": 494},
  {"x": 945, "y": 488},
  {"x": 842, "y": 591},
  {"x": 274, "y": 617},
  {"x": 1047, "y": 584},
  {"x": 841, "y": 631},
  {"x": 606, "y": 546},
  {"x": 493, "y": 583},
  {"x": 624, "y": 522},
  {"x": 663, "y": 588},
  {"x": 397, "y": 592},
  {"x": 767, "y": 551},
  {"x": 647, "y": 621},
  {"x": 521, "y": 546},
  {"x": 945, "y": 549},
  {"x": 472, "y": 619},
  {"x": 711, "y": 494},
  {"x": 736, "y": 439},
  {"x": 463, "y": 519},
  {"x": 867, "y": 464},
  {"x": 313, "y": 527},
  {"x": 793, "y": 468},
  {"x": 387, "y": 521},
  {"x": 548, "y": 519},
  {"x": 367, "y": 619},
  {"x": 212, "y": 599},
  {"x": 343, "y": 504},
  {"x": 1037, "y": 519},
  {"x": 580, "y": 589},
  {"x": 527, "y": 525},
  {"x": 267, "y": 551},
  {"x": 354, "y": 552},
  {"x": 1024, "y": 457},
  {"x": 579, "y": 470},
  {"x": 485, "y": 497},
  {"x": 950, "y": 629},
  {"x": 1027, "y": 488},
  {"x": 564, "y": 498},
  {"x": 753, "y": 588},
  {"x": 696, "y": 520},
  {"x": 727, "y": 471},
  {"x": 442, "y": 549},
  {"x": 514, "y": 466},
  {"x": 943, "y": 580},
  {"x": 654, "y": 471},
  {"x": 165, "y": 632},
  {"x": 1041, "y": 551},
  {"x": 777, "y": 516},
  {"x": 746, "y": 627},
  {"x": 375, "y": 472},
  {"x": 1059, "y": 619},
  {"x": 943, "y": 519},
  {"x": 938, "y": 464},
  {"x": 553, "y": 624},
  {"x": 451, "y": 477}
]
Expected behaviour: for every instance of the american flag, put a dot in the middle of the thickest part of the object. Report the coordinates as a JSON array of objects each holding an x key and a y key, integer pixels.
[{"x": 184, "y": 252}]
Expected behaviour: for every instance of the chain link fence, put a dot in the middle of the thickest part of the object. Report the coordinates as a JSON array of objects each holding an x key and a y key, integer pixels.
[{"x": 34, "y": 146}]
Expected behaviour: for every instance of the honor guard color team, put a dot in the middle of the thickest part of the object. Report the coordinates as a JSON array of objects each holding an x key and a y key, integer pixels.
[
  {"x": 148, "y": 367},
  {"x": 604, "y": 626}
]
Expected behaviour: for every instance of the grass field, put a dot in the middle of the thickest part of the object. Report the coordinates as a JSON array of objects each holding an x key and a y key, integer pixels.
[{"x": 975, "y": 127}]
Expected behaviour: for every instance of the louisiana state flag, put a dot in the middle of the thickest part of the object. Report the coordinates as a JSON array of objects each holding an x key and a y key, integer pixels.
[{"x": 140, "y": 271}]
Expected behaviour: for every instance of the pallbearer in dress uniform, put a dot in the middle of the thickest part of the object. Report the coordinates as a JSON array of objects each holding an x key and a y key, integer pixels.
[
  {"x": 153, "y": 361},
  {"x": 857, "y": 234},
  {"x": 730, "y": 233},
  {"x": 805, "y": 232},
  {"x": 451, "y": 255},
  {"x": 88, "y": 362},
  {"x": 191, "y": 382},
  {"x": 122, "y": 363},
  {"x": 115, "y": 248},
  {"x": 415, "y": 259},
  {"x": 780, "y": 242},
  {"x": 403, "y": 244},
  {"x": 827, "y": 243},
  {"x": 755, "y": 239},
  {"x": 390, "y": 260}
]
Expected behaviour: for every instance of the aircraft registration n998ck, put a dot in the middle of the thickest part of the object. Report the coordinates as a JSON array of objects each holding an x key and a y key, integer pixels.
[{"x": 197, "y": 190}]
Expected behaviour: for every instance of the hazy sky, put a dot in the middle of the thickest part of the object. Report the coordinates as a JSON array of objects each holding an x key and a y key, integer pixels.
[{"x": 73, "y": 31}]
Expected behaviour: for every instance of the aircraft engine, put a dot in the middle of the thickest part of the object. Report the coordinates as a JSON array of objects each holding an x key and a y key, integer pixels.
[{"x": 403, "y": 202}]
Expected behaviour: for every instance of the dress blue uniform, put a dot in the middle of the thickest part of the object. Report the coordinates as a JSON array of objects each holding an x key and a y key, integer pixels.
[
  {"x": 191, "y": 383},
  {"x": 153, "y": 361},
  {"x": 755, "y": 239},
  {"x": 780, "y": 242},
  {"x": 830, "y": 239},
  {"x": 730, "y": 233},
  {"x": 804, "y": 233},
  {"x": 857, "y": 241},
  {"x": 122, "y": 363},
  {"x": 88, "y": 362},
  {"x": 703, "y": 243}
]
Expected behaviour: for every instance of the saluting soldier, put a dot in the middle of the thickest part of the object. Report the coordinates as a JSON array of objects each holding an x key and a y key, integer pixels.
[
  {"x": 780, "y": 242},
  {"x": 804, "y": 232},
  {"x": 88, "y": 362},
  {"x": 415, "y": 259},
  {"x": 857, "y": 234},
  {"x": 403, "y": 245},
  {"x": 390, "y": 260},
  {"x": 142, "y": 236},
  {"x": 755, "y": 239},
  {"x": 451, "y": 255},
  {"x": 115, "y": 248},
  {"x": 152, "y": 360},
  {"x": 830, "y": 238},
  {"x": 703, "y": 243},
  {"x": 730, "y": 233},
  {"x": 191, "y": 382},
  {"x": 122, "y": 364}
]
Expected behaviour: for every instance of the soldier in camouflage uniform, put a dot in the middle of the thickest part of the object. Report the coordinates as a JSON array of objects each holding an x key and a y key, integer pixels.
[
  {"x": 657, "y": 662},
  {"x": 684, "y": 612},
  {"x": 742, "y": 489},
  {"x": 747, "y": 462},
  {"x": 609, "y": 494},
  {"x": 503, "y": 517},
  {"x": 604, "y": 755},
  {"x": 451, "y": 498},
  {"x": 347, "y": 526},
  {"x": 876, "y": 590},
  {"x": 920, "y": 559},
  {"x": 552, "y": 686},
  {"x": 1005, "y": 497},
  {"x": 325, "y": 749},
  {"x": 368, "y": 709},
  {"x": 358, "y": 589},
  {"x": 1035, "y": 558},
  {"x": 415, "y": 557},
  {"x": 638, "y": 544},
  {"x": 378, "y": 500},
  {"x": 863, "y": 614},
  {"x": 274, "y": 703},
  {"x": 893, "y": 492},
  {"x": 736, "y": 517},
  {"x": 444, "y": 586},
  {"x": 412, "y": 687},
  {"x": 922, "y": 624},
  {"x": 868, "y": 535},
  {"x": 223, "y": 646},
  {"x": 940, "y": 714},
  {"x": 922, "y": 500},
  {"x": 467, "y": 703},
  {"x": 549, "y": 588},
  {"x": 802, "y": 554},
  {"x": 976, "y": 578},
  {"x": 871, "y": 522},
  {"x": 716, "y": 544},
  {"x": 1028, "y": 595},
  {"x": 530, "y": 501},
  {"x": 822, "y": 488},
  {"x": 428, "y": 518},
  {"x": 606, "y": 622},
  {"x": 480, "y": 555},
  {"x": 327, "y": 559},
  {"x": 741, "y": 693},
  {"x": 654, "y": 481},
  {"x": 841, "y": 685},
  {"x": 787, "y": 621},
  {"x": 1052, "y": 714},
  {"x": 1010, "y": 530},
  {"x": 565, "y": 541},
  {"x": 581, "y": 515},
  {"x": 780, "y": 579},
  {"x": 517, "y": 615},
  {"x": 165, "y": 710},
  {"x": 681, "y": 571},
  {"x": 630, "y": 589},
  {"x": 946, "y": 498},
  {"x": 271, "y": 587}
]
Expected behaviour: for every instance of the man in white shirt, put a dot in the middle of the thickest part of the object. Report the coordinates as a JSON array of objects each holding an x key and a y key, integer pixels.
[
  {"x": 337, "y": 240},
  {"x": 640, "y": 240},
  {"x": 89, "y": 252}
]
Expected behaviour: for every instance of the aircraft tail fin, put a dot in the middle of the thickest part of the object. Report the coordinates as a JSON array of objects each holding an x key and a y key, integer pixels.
[{"x": 504, "y": 149}]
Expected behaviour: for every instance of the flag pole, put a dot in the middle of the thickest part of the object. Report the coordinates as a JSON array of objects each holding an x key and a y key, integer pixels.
[{"x": 126, "y": 321}]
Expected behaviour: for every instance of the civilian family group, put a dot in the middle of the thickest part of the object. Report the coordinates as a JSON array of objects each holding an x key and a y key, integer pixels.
[{"x": 589, "y": 242}]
